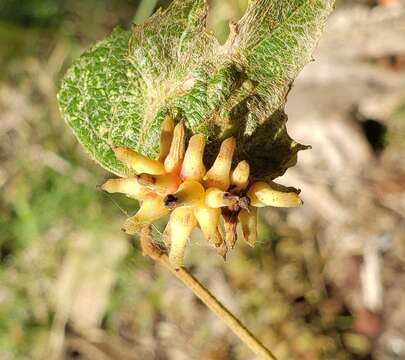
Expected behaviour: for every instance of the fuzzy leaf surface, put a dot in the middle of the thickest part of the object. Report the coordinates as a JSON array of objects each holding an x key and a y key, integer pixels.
[{"x": 118, "y": 92}]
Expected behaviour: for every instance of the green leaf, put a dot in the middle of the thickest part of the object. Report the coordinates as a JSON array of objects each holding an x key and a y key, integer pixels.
[
  {"x": 112, "y": 94},
  {"x": 100, "y": 99},
  {"x": 275, "y": 39},
  {"x": 119, "y": 92},
  {"x": 169, "y": 49}
]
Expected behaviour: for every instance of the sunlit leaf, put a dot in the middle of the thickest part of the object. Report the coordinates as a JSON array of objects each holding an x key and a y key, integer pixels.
[{"x": 119, "y": 92}]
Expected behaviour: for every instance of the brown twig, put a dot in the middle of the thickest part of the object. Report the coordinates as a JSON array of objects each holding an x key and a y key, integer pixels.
[{"x": 160, "y": 256}]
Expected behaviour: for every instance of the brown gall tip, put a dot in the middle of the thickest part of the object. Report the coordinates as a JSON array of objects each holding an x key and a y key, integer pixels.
[{"x": 170, "y": 201}]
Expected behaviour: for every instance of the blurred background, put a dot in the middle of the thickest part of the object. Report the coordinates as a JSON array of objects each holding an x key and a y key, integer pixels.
[{"x": 326, "y": 281}]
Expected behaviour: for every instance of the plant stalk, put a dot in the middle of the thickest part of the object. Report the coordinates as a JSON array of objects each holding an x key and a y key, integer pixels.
[
  {"x": 145, "y": 9},
  {"x": 160, "y": 256}
]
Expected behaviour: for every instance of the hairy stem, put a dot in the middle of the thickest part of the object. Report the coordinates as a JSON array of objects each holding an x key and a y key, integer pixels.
[{"x": 160, "y": 255}]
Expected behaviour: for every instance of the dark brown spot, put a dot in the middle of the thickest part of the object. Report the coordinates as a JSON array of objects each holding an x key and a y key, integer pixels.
[{"x": 170, "y": 201}]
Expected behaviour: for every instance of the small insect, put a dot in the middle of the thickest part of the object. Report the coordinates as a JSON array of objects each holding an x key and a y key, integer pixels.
[{"x": 215, "y": 201}]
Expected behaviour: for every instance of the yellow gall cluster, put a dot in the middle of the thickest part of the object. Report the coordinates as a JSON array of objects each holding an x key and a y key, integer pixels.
[{"x": 214, "y": 200}]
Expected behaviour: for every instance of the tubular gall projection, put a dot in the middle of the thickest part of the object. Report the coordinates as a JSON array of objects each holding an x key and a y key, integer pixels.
[{"x": 215, "y": 201}]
